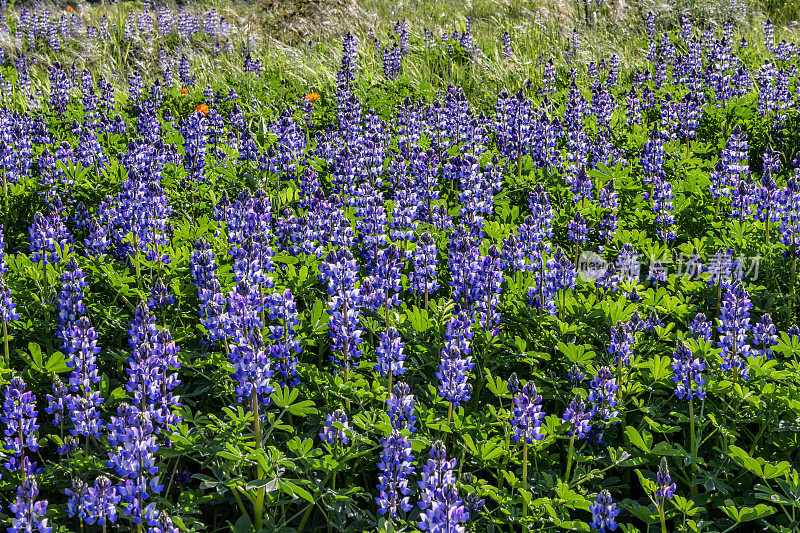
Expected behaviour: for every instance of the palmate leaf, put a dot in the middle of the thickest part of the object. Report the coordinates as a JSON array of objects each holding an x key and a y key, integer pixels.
[{"x": 740, "y": 513}]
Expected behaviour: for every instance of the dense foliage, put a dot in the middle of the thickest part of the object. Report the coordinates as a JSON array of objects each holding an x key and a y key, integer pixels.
[{"x": 575, "y": 312}]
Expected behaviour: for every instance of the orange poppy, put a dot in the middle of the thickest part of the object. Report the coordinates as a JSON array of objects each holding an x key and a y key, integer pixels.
[
  {"x": 202, "y": 108},
  {"x": 184, "y": 91},
  {"x": 69, "y": 9},
  {"x": 312, "y": 97}
]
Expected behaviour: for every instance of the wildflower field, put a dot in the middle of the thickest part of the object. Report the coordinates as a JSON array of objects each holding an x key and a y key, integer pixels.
[{"x": 506, "y": 266}]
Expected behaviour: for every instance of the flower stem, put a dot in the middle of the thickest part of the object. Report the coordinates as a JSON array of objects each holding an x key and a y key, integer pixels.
[
  {"x": 569, "y": 457},
  {"x": 258, "y": 504},
  {"x": 692, "y": 441},
  {"x": 5, "y": 342}
]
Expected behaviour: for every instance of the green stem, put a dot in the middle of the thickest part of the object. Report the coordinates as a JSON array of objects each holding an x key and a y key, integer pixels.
[
  {"x": 569, "y": 457},
  {"x": 258, "y": 504},
  {"x": 238, "y": 499},
  {"x": 138, "y": 263},
  {"x": 662, "y": 518},
  {"x": 45, "y": 291},
  {"x": 5, "y": 343},
  {"x": 692, "y": 445},
  {"x": 525, "y": 474}
]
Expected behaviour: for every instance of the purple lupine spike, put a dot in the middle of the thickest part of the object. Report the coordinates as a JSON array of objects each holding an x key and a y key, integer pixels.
[
  {"x": 395, "y": 466},
  {"x": 286, "y": 347},
  {"x": 160, "y": 296},
  {"x": 150, "y": 379},
  {"x": 604, "y": 513},
  {"x": 252, "y": 370},
  {"x": 575, "y": 374},
  {"x": 101, "y": 502},
  {"x": 621, "y": 345},
  {"x": 423, "y": 277},
  {"x": 688, "y": 370},
  {"x": 132, "y": 437},
  {"x": 333, "y": 434},
  {"x": 440, "y": 504},
  {"x": 77, "y": 503},
  {"x": 652, "y": 158},
  {"x": 57, "y": 402},
  {"x": 662, "y": 206},
  {"x": 527, "y": 415},
  {"x": 382, "y": 287},
  {"x": 456, "y": 362},
  {"x": 701, "y": 328},
  {"x": 577, "y": 231},
  {"x": 507, "y": 45},
  {"x": 400, "y": 407},
  {"x": 790, "y": 218},
  {"x": 734, "y": 328},
  {"x": 8, "y": 310},
  {"x": 603, "y": 396},
  {"x": 488, "y": 290},
  {"x": 578, "y": 418},
  {"x": 666, "y": 488},
  {"x": 19, "y": 416},
  {"x": 49, "y": 239},
  {"x": 390, "y": 354},
  {"x": 340, "y": 273},
  {"x": 28, "y": 512},
  {"x": 765, "y": 336}
]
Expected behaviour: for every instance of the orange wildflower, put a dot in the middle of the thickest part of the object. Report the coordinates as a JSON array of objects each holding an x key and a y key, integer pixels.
[
  {"x": 312, "y": 97},
  {"x": 202, "y": 108},
  {"x": 184, "y": 91},
  {"x": 69, "y": 9}
]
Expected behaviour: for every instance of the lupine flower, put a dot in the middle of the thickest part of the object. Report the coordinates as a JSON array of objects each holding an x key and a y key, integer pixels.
[
  {"x": 604, "y": 513},
  {"x": 734, "y": 328},
  {"x": 442, "y": 509},
  {"x": 666, "y": 488},
  {"x": 764, "y": 337},
  {"x": 252, "y": 365},
  {"x": 507, "y": 45},
  {"x": 7, "y": 307},
  {"x": 153, "y": 354},
  {"x": 400, "y": 407},
  {"x": 513, "y": 384},
  {"x": 160, "y": 296},
  {"x": 662, "y": 206},
  {"x": 603, "y": 395},
  {"x": 57, "y": 402},
  {"x": 395, "y": 465},
  {"x": 621, "y": 345},
  {"x": 19, "y": 416},
  {"x": 340, "y": 273},
  {"x": 701, "y": 328},
  {"x": 575, "y": 374},
  {"x": 488, "y": 290},
  {"x": 49, "y": 238},
  {"x": 77, "y": 500},
  {"x": 423, "y": 276},
  {"x": 688, "y": 370},
  {"x": 102, "y": 501},
  {"x": 28, "y": 513},
  {"x": 286, "y": 347},
  {"x": 578, "y": 418},
  {"x": 131, "y": 435},
  {"x": 390, "y": 354},
  {"x": 527, "y": 415},
  {"x": 456, "y": 363},
  {"x": 333, "y": 433}
]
